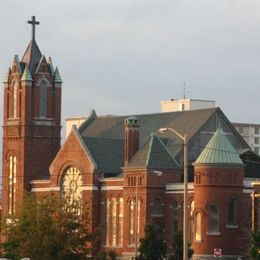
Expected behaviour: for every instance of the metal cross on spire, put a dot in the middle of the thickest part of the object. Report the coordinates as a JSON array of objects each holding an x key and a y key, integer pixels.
[{"x": 33, "y": 22}]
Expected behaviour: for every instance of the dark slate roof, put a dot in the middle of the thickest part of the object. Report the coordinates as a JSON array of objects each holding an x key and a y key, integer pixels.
[
  {"x": 32, "y": 56},
  {"x": 153, "y": 155},
  {"x": 184, "y": 122},
  {"x": 199, "y": 125},
  {"x": 107, "y": 153},
  {"x": 252, "y": 164}
]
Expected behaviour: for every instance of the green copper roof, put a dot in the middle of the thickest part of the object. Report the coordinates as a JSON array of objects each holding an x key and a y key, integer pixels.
[
  {"x": 26, "y": 74},
  {"x": 57, "y": 77},
  {"x": 219, "y": 151}
]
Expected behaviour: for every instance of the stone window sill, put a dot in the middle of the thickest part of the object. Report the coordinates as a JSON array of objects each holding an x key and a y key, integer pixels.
[
  {"x": 231, "y": 226},
  {"x": 157, "y": 215},
  {"x": 114, "y": 246},
  {"x": 131, "y": 246},
  {"x": 213, "y": 233}
]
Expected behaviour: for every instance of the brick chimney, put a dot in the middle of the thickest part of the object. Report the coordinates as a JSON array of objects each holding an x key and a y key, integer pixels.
[{"x": 131, "y": 138}]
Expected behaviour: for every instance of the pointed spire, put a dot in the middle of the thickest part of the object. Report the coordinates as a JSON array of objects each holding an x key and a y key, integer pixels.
[
  {"x": 7, "y": 76},
  {"x": 17, "y": 62},
  {"x": 32, "y": 56},
  {"x": 49, "y": 61},
  {"x": 26, "y": 74},
  {"x": 57, "y": 77}
]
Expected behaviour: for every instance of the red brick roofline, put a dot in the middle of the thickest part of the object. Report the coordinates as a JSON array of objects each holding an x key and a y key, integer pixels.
[{"x": 75, "y": 132}]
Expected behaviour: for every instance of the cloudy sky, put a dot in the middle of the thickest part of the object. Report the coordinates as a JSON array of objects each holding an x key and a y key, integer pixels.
[{"x": 125, "y": 56}]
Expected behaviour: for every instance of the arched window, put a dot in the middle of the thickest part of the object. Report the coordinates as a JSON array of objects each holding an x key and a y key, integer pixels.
[
  {"x": 113, "y": 221},
  {"x": 198, "y": 226},
  {"x": 157, "y": 209},
  {"x": 14, "y": 99},
  {"x": 121, "y": 221},
  {"x": 232, "y": 212},
  {"x": 213, "y": 218},
  {"x": 12, "y": 185},
  {"x": 191, "y": 208},
  {"x": 138, "y": 220},
  {"x": 191, "y": 222},
  {"x": 43, "y": 98},
  {"x": 107, "y": 221},
  {"x": 175, "y": 218},
  {"x": 72, "y": 189},
  {"x": 131, "y": 223}
]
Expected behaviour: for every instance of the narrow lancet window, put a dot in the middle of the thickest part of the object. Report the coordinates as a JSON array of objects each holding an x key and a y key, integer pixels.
[
  {"x": 198, "y": 226},
  {"x": 121, "y": 221},
  {"x": 43, "y": 99},
  {"x": 12, "y": 185},
  {"x": 213, "y": 219}
]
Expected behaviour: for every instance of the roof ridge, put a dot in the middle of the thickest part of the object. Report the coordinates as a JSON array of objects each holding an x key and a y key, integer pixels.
[
  {"x": 151, "y": 137},
  {"x": 161, "y": 113},
  {"x": 102, "y": 137},
  {"x": 88, "y": 120},
  {"x": 167, "y": 150}
]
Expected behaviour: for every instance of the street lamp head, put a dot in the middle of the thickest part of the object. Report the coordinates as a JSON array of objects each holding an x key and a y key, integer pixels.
[{"x": 163, "y": 130}]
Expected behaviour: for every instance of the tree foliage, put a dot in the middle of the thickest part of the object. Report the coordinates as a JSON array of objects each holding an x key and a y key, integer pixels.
[
  {"x": 177, "y": 247},
  {"x": 152, "y": 247},
  {"x": 42, "y": 229},
  {"x": 255, "y": 246}
]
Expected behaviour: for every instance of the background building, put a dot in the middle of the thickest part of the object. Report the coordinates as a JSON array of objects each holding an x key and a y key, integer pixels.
[
  {"x": 186, "y": 104},
  {"x": 73, "y": 121},
  {"x": 250, "y": 132}
]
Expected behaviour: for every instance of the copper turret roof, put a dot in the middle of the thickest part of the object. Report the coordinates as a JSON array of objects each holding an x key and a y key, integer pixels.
[{"x": 219, "y": 151}]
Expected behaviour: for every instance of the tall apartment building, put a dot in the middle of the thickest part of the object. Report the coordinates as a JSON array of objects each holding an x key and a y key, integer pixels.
[{"x": 251, "y": 134}]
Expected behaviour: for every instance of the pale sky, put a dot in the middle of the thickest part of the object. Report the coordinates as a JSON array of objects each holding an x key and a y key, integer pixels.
[{"x": 125, "y": 56}]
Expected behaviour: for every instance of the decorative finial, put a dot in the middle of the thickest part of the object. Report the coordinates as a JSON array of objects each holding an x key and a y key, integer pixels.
[{"x": 33, "y": 22}]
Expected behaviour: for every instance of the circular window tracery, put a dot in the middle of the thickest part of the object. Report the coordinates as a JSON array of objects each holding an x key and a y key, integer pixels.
[{"x": 72, "y": 189}]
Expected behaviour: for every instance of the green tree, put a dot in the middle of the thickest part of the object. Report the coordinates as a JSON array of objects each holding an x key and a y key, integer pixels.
[
  {"x": 42, "y": 229},
  {"x": 152, "y": 247},
  {"x": 177, "y": 247},
  {"x": 254, "y": 250}
]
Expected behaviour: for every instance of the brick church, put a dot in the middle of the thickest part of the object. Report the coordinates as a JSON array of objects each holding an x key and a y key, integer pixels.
[{"x": 126, "y": 171}]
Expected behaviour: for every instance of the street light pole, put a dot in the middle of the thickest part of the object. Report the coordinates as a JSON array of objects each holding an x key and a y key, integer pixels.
[
  {"x": 136, "y": 215},
  {"x": 185, "y": 190},
  {"x": 185, "y": 200}
]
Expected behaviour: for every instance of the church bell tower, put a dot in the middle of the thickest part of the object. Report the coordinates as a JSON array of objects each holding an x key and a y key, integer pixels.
[{"x": 31, "y": 122}]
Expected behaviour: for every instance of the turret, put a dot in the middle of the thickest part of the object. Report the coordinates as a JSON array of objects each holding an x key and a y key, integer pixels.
[{"x": 218, "y": 190}]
